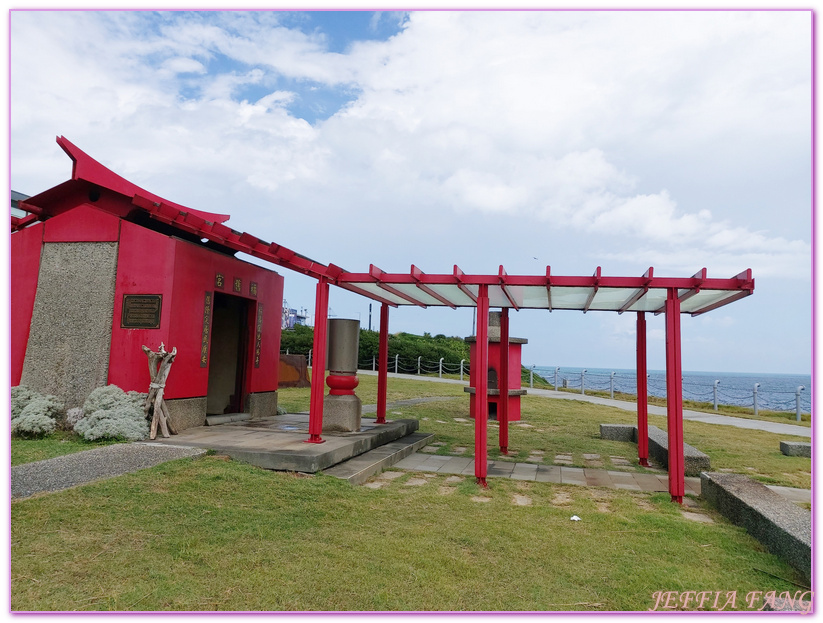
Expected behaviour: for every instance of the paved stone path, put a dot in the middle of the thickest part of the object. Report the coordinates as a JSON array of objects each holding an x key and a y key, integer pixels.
[
  {"x": 560, "y": 474},
  {"x": 697, "y": 416}
]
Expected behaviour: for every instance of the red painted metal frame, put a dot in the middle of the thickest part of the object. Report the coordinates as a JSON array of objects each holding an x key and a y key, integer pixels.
[
  {"x": 594, "y": 290},
  {"x": 416, "y": 273},
  {"x": 549, "y": 286},
  {"x": 642, "y": 393},
  {"x": 318, "y": 371},
  {"x": 458, "y": 276},
  {"x": 503, "y": 383},
  {"x": 481, "y": 402},
  {"x": 383, "y": 368},
  {"x": 674, "y": 399},
  {"x": 501, "y": 274},
  {"x": 640, "y": 293}
]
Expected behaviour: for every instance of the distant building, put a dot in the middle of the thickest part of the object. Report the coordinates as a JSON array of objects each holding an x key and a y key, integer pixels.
[{"x": 292, "y": 318}]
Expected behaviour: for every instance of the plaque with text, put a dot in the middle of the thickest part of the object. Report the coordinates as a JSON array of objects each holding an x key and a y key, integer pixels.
[
  {"x": 219, "y": 280},
  {"x": 253, "y": 288},
  {"x": 141, "y": 311},
  {"x": 204, "y": 342},
  {"x": 258, "y": 338},
  {"x": 238, "y": 285}
]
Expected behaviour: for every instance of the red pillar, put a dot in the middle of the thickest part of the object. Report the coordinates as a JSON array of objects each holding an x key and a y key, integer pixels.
[
  {"x": 674, "y": 398},
  {"x": 383, "y": 367},
  {"x": 318, "y": 370},
  {"x": 503, "y": 383},
  {"x": 481, "y": 415},
  {"x": 642, "y": 393}
]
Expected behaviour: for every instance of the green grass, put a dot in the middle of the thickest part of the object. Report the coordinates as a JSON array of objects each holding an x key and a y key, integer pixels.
[
  {"x": 210, "y": 534},
  {"x": 56, "y": 444}
]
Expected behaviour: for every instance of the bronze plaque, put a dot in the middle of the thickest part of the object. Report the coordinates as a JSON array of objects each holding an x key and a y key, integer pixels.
[
  {"x": 258, "y": 338},
  {"x": 253, "y": 288},
  {"x": 204, "y": 342},
  {"x": 218, "y": 280},
  {"x": 238, "y": 284},
  {"x": 141, "y": 311}
]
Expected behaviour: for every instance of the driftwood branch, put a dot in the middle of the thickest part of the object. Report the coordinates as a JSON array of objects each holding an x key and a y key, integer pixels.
[{"x": 159, "y": 368}]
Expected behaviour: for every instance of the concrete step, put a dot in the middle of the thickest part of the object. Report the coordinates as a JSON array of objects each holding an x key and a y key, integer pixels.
[
  {"x": 214, "y": 420},
  {"x": 359, "y": 469}
]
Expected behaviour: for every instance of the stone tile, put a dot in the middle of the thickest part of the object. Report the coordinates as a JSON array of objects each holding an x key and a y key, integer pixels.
[
  {"x": 619, "y": 460},
  {"x": 437, "y": 443},
  {"x": 534, "y": 459},
  {"x": 572, "y": 476},
  {"x": 627, "y": 487},
  {"x": 457, "y": 465},
  {"x": 453, "y": 479},
  {"x": 562, "y": 462},
  {"x": 500, "y": 468},
  {"x": 548, "y": 473},
  {"x": 446, "y": 490},
  {"x": 650, "y": 482},
  {"x": 441, "y": 421},
  {"x": 460, "y": 419},
  {"x": 415, "y": 482},
  {"x": 521, "y": 500},
  {"x": 537, "y": 452},
  {"x": 524, "y": 471},
  {"x": 524, "y": 425},
  {"x": 389, "y": 475},
  {"x": 562, "y": 457},
  {"x": 591, "y": 457},
  {"x": 458, "y": 450},
  {"x": 593, "y": 463},
  {"x": 413, "y": 461},
  {"x": 480, "y": 498},
  {"x": 700, "y": 517},
  {"x": 428, "y": 449},
  {"x": 598, "y": 478},
  {"x": 375, "y": 485}
]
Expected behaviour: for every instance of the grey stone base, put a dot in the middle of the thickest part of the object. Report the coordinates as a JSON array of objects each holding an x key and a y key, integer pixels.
[
  {"x": 618, "y": 432},
  {"x": 187, "y": 412},
  {"x": 796, "y": 448},
  {"x": 695, "y": 460},
  {"x": 341, "y": 413},
  {"x": 262, "y": 404},
  {"x": 783, "y": 528}
]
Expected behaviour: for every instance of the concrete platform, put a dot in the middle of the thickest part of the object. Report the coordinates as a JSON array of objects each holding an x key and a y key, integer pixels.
[{"x": 278, "y": 442}]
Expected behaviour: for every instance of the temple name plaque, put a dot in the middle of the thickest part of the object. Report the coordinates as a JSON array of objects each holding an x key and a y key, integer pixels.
[{"x": 141, "y": 311}]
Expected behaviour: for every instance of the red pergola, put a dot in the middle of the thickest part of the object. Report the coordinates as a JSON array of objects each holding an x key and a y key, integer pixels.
[{"x": 647, "y": 294}]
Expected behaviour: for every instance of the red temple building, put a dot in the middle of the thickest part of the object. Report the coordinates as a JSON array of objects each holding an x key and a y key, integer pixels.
[{"x": 94, "y": 278}]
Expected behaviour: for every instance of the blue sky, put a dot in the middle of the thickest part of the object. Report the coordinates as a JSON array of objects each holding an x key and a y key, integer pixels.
[{"x": 573, "y": 139}]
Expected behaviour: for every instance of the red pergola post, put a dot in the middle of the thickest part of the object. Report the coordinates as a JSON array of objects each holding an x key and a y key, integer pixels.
[
  {"x": 674, "y": 398},
  {"x": 642, "y": 393},
  {"x": 503, "y": 383},
  {"x": 481, "y": 403},
  {"x": 318, "y": 370},
  {"x": 383, "y": 367}
]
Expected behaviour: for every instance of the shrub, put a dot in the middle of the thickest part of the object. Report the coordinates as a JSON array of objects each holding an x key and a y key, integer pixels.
[
  {"x": 111, "y": 413},
  {"x": 32, "y": 414}
]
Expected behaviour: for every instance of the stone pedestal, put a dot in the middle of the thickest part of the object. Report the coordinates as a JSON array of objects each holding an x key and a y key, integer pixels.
[{"x": 341, "y": 413}]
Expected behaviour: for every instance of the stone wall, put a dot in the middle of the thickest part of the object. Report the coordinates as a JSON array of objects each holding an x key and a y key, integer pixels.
[{"x": 68, "y": 349}]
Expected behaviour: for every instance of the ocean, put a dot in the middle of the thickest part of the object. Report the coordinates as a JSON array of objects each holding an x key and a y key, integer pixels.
[{"x": 776, "y": 392}]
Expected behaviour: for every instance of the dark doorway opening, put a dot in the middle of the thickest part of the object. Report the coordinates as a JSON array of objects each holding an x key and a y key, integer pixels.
[{"x": 228, "y": 355}]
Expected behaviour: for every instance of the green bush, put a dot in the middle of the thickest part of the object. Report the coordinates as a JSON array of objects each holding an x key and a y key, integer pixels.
[
  {"x": 32, "y": 414},
  {"x": 111, "y": 413}
]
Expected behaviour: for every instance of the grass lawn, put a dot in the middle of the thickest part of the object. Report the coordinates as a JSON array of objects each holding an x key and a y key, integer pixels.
[
  {"x": 213, "y": 534},
  {"x": 56, "y": 444}
]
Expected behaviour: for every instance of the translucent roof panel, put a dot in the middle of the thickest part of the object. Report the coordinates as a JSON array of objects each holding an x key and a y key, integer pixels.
[
  {"x": 417, "y": 294},
  {"x": 611, "y": 298},
  {"x": 380, "y": 293},
  {"x": 705, "y": 298},
  {"x": 454, "y": 294},
  {"x": 569, "y": 298},
  {"x": 536, "y": 296},
  {"x": 653, "y": 300}
]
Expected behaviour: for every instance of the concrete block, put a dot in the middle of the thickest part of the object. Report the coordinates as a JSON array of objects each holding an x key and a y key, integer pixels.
[
  {"x": 695, "y": 461},
  {"x": 782, "y": 527},
  {"x": 262, "y": 404},
  {"x": 341, "y": 413},
  {"x": 796, "y": 448},
  {"x": 618, "y": 432},
  {"x": 186, "y": 412}
]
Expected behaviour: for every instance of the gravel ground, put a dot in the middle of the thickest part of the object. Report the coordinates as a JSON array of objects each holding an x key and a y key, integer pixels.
[{"x": 79, "y": 468}]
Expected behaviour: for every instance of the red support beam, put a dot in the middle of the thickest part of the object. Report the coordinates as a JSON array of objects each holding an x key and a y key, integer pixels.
[
  {"x": 674, "y": 398},
  {"x": 642, "y": 393},
  {"x": 503, "y": 382},
  {"x": 318, "y": 369},
  {"x": 459, "y": 276},
  {"x": 640, "y": 293},
  {"x": 383, "y": 365},
  {"x": 416, "y": 274},
  {"x": 380, "y": 279},
  {"x": 481, "y": 415},
  {"x": 549, "y": 285},
  {"x": 501, "y": 274},
  {"x": 595, "y": 286}
]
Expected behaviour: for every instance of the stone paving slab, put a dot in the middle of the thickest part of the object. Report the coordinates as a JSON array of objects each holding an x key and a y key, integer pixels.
[{"x": 548, "y": 473}]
